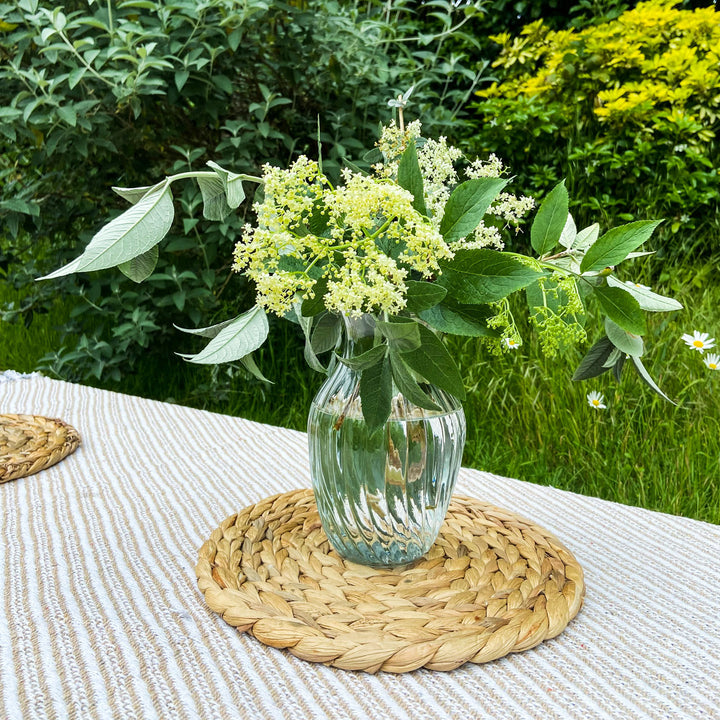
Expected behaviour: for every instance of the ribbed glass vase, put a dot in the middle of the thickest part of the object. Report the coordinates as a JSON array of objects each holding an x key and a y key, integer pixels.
[{"x": 382, "y": 496}]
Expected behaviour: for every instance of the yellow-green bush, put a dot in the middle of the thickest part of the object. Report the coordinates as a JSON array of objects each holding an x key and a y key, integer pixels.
[{"x": 628, "y": 110}]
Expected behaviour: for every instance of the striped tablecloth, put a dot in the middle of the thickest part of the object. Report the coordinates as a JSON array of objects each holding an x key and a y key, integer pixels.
[{"x": 101, "y": 616}]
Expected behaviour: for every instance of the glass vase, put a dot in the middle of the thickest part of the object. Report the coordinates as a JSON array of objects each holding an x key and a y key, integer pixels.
[{"x": 382, "y": 496}]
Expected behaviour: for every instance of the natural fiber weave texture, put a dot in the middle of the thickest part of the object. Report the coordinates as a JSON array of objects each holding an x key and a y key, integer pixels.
[
  {"x": 30, "y": 443},
  {"x": 493, "y": 583}
]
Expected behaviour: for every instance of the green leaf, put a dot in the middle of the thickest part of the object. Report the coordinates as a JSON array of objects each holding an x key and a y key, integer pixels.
[
  {"x": 316, "y": 304},
  {"x": 407, "y": 384},
  {"x": 410, "y": 177},
  {"x": 618, "y": 367},
  {"x": 645, "y": 375},
  {"x": 622, "y": 308},
  {"x": 134, "y": 195},
  {"x": 586, "y": 237},
  {"x": 376, "y": 394},
  {"x": 478, "y": 276},
  {"x": 326, "y": 333},
  {"x": 615, "y": 245},
  {"x": 68, "y": 114},
  {"x": 550, "y": 220},
  {"x": 215, "y": 206},
  {"x": 141, "y": 267},
  {"x": 237, "y": 339},
  {"x": 569, "y": 233},
  {"x": 423, "y": 295},
  {"x": 433, "y": 362},
  {"x": 249, "y": 363},
  {"x": 456, "y": 319},
  {"x": 647, "y": 299},
  {"x": 593, "y": 364},
  {"x": 467, "y": 205},
  {"x": 402, "y": 335},
  {"x": 181, "y": 77},
  {"x": 234, "y": 191},
  {"x": 367, "y": 359},
  {"x": 210, "y": 331},
  {"x": 131, "y": 234},
  {"x": 624, "y": 341}
]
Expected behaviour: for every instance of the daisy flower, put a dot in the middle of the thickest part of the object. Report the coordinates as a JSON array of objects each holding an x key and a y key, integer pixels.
[
  {"x": 712, "y": 361},
  {"x": 596, "y": 400},
  {"x": 511, "y": 343},
  {"x": 699, "y": 341}
]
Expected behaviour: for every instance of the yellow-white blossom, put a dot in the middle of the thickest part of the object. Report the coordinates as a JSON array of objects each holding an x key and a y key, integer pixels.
[
  {"x": 699, "y": 341},
  {"x": 712, "y": 361},
  {"x": 596, "y": 400}
]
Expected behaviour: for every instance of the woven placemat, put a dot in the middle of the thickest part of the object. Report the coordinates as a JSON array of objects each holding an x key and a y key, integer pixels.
[
  {"x": 493, "y": 583},
  {"x": 30, "y": 443}
]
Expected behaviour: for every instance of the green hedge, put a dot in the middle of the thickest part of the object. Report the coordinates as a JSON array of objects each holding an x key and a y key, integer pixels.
[{"x": 628, "y": 110}]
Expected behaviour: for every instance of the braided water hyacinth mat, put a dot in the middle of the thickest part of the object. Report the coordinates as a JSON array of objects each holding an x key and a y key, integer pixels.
[
  {"x": 30, "y": 443},
  {"x": 493, "y": 583}
]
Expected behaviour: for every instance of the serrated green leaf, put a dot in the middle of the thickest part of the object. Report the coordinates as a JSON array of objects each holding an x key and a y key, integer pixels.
[
  {"x": 215, "y": 206},
  {"x": 131, "y": 234},
  {"x": 141, "y": 267},
  {"x": 479, "y": 276},
  {"x": 433, "y": 362},
  {"x": 645, "y": 375},
  {"x": 410, "y": 177},
  {"x": 237, "y": 339},
  {"x": 326, "y": 333},
  {"x": 624, "y": 341},
  {"x": 622, "y": 308},
  {"x": 586, "y": 237},
  {"x": 647, "y": 299},
  {"x": 550, "y": 220},
  {"x": 456, "y": 319},
  {"x": 467, "y": 205},
  {"x": 401, "y": 335},
  {"x": 376, "y": 394},
  {"x": 592, "y": 364},
  {"x": 365, "y": 360},
  {"x": 407, "y": 384},
  {"x": 615, "y": 245},
  {"x": 423, "y": 295}
]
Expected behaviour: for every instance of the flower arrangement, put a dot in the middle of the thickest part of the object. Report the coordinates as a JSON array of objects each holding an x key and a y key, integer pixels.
[{"x": 417, "y": 243}]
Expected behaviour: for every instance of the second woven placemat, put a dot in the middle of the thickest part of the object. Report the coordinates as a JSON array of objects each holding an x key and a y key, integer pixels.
[
  {"x": 30, "y": 443},
  {"x": 493, "y": 583}
]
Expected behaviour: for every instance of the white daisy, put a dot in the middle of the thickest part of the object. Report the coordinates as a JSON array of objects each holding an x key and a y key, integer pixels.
[
  {"x": 596, "y": 400},
  {"x": 712, "y": 361},
  {"x": 699, "y": 341},
  {"x": 511, "y": 343}
]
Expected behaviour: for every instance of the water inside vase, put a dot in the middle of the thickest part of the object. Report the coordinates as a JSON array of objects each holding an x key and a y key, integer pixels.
[{"x": 383, "y": 496}]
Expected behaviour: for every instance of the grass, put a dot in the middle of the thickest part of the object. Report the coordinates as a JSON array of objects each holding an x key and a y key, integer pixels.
[{"x": 526, "y": 419}]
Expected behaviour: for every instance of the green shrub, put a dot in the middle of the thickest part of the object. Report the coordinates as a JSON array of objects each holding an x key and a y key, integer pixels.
[
  {"x": 101, "y": 94},
  {"x": 627, "y": 110}
]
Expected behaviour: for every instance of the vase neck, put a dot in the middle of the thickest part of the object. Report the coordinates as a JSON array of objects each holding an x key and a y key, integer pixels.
[{"x": 359, "y": 334}]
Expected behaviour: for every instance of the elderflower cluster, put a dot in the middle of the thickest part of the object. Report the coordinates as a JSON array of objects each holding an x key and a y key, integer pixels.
[
  {"x": 392, "y": 144},
  {"x": 436, "y": 159}
]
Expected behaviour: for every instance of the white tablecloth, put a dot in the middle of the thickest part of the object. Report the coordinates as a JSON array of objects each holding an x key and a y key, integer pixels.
[{"x": 101, "y": 616}]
